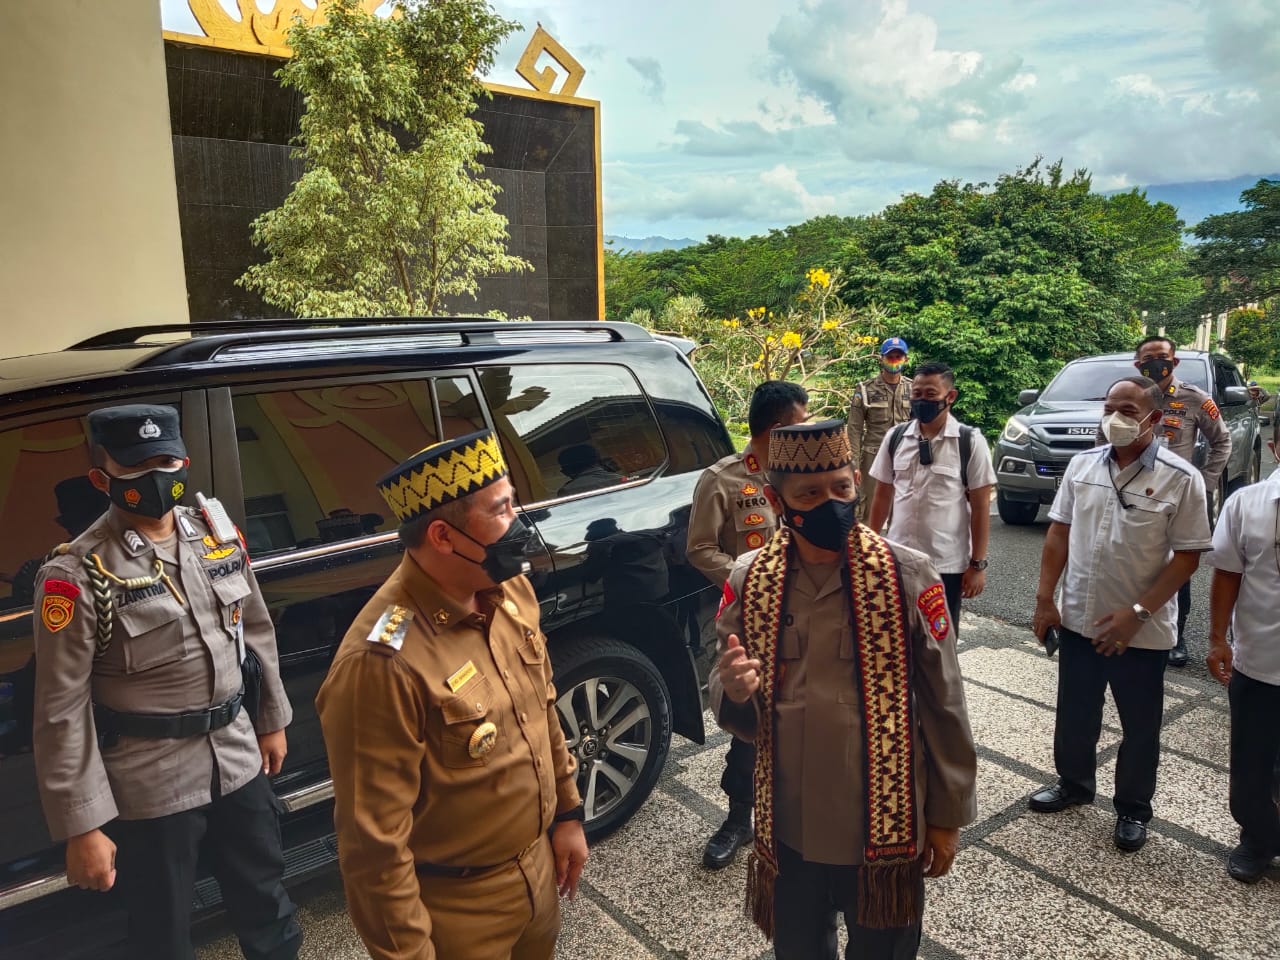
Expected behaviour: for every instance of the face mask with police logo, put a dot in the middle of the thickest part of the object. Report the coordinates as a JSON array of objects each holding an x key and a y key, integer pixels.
[
  {"x": 149, "y": 493},
  {"x": 1121, "y": 431},
  {"x": 505, "y": 557},
  {"x": 1156, "y": 368},
  {"x": 826, "y": 526}
]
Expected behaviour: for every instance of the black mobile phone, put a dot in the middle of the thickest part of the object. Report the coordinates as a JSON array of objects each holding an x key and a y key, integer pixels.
[{"x": 1052, "y": 638}]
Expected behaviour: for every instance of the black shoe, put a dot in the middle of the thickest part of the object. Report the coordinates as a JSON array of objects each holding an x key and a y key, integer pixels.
[
  {"x": 725, "y": 843},
  {"x": 1178, "y": 655},
  {"x": 1246, "y": 865},
  {"x": 1130, "y": 834},
  {"x": 1055, "y": 798}
]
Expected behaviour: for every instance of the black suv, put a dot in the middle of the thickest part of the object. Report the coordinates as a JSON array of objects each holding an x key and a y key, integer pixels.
[
  {"x": 605, "y": 429},
  {"x": 1057, "y": 423}
]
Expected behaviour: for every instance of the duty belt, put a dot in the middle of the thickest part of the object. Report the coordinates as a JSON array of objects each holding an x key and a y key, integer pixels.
[
  {"x": 459, "y": 873},
  {"x": 112, "y": 723}
]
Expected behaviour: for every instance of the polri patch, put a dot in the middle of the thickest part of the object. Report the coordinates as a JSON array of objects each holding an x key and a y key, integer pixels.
[
  {"x": 1211, "y": 409},
  {"x": 933, "y": 604},
  {"x": 755, "y": 540},
  {"x": 59, "y": 604}
]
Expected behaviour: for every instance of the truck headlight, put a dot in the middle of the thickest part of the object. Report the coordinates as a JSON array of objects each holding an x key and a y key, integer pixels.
[{"x": 1015, "y": 431}]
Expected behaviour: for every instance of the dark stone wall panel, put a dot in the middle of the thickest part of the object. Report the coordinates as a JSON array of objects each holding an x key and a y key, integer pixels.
[{"x": 233, "y": 125}]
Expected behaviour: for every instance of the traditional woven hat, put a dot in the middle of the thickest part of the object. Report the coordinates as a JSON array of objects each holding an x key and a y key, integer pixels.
[
  {"x": 441, "y": 473},
  {"x": 809, "y": 447}
]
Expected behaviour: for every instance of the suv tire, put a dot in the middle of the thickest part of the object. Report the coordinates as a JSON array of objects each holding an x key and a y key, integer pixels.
[
  {"x": 615, "y": 710},
  {"x": 1015, "y": 512}
]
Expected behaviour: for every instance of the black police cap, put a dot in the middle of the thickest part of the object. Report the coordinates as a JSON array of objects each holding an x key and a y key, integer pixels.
[{"x": 136, "y": 432}]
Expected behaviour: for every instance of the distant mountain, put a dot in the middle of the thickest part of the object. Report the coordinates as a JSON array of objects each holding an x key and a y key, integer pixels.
[
  {"x": 646, "y": 244},
  {"x": 1195, "y": 201}
]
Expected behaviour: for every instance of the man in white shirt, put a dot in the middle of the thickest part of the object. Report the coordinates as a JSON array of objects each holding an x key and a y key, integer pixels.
[
  {"x": 941, "y": 500},
  {"x": 1246, "y": 587},
  {"x": 1129, "y": 525}
]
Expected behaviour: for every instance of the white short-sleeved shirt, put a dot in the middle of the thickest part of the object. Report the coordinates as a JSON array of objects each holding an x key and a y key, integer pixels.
[
  {"x": 1247, "y": 541},
  {"x": 930, "y": 506},
  {"x": 1114, "y": 554}
]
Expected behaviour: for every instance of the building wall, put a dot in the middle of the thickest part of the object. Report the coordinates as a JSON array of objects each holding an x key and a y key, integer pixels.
[
  {"x": 90, "y": 237},
  {"x": 232, "y": 123}
]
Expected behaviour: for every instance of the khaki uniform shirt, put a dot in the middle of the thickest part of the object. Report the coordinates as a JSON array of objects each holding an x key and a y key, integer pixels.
[
  {"x": 165, "y": 657},
  {"x": 819, "y": 788},
  {"x": 730, "y": 515},
  {"x": 876, "y": 408},
  {"x": 1188, "y": 410},
  {"x": 402, "y": 718}
]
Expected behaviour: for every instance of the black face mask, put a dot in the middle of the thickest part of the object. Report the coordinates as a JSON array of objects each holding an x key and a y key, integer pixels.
[
  {"x": 150, "y": 494},
  {"x": 1157, "y": 368},
  {"x": 504, "y": 558},
  {"x": 826, "y": 526},
  {"x": 927, "y": 411}
]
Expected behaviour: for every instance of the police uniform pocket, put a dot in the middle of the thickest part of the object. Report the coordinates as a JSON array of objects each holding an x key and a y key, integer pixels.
[
  {"x": 151, "y": 634},
  {"x": 469, "y": 734},
  {"x": 878, "y": 413},
  {"x": 231, "y": 592},
  {"x": 789, "y": 653}
]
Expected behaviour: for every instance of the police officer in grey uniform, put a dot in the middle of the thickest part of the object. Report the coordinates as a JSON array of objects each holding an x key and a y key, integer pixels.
[
  {"x": 1188, "y": 412},
  {"x": 149, "y": 749},
  {"x": 879, "y": 404}
]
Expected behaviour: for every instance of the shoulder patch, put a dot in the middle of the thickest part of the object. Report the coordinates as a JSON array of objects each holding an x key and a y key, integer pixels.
[
  {"x": 933, "y": 604},
  {"x": 391, "y": 627},
  {"x": 59, "y": 604},
  {"x": 726, "y": 597},
  {"x": 1211, "y": 409}
]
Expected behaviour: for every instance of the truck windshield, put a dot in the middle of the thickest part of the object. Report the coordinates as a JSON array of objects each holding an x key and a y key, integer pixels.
[{"x": 1090, "y": 379}]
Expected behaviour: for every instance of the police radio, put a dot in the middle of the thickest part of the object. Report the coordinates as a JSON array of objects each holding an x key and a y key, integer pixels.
[{"x": 216, "y": 516}]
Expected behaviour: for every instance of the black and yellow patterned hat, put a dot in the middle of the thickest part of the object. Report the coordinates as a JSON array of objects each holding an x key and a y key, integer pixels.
[
  {"x": 809, "y": 447},
  {"x": 441, "y": 473}
]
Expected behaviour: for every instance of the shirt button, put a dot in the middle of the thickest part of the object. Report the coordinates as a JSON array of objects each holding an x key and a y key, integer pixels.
[
  {"x": 506, "y": 674},
  {"x": 538, "y": 763},
  {"x": 524, "y": 718},
  {"x": 479, "y": 705}
]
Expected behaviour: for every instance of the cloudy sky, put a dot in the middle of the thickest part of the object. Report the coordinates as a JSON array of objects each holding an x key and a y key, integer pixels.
[{"x": 733, "y": 116}]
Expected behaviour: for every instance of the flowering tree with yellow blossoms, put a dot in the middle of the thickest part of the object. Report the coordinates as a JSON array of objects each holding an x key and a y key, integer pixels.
[{"x": 813, "y": 342}]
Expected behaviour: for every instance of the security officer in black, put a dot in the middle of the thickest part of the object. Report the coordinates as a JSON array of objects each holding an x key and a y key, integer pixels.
[{"x": 159, "y": 707}]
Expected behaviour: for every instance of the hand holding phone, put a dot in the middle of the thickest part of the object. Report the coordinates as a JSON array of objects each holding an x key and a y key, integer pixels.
[{"x": 1052, "y": 639}]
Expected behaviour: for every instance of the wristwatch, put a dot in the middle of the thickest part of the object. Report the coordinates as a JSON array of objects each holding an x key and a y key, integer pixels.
[
  {"x": 578, "y": 813},
  {"x": 978, "y": 564},
  {"x": 1141, "y": 612}
]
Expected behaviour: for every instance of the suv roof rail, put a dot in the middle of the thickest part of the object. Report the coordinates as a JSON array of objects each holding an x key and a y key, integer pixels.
[{"x": 209, "y": 338}]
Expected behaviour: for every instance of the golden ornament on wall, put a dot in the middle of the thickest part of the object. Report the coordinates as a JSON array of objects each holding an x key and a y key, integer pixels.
[
  {"x": 544, "y": 80},
  {"x": 257, "y": 31}
]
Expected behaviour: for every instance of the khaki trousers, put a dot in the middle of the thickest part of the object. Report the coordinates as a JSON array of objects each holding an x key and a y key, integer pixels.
[{"x": 512, "y": 913}]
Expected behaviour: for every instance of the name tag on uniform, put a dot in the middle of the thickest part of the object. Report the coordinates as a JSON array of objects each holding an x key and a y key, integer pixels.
[{"x": 459, "y": 679}]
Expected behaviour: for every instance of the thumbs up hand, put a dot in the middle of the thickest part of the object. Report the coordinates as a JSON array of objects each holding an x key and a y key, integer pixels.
[{"x": 739, "y": 674}]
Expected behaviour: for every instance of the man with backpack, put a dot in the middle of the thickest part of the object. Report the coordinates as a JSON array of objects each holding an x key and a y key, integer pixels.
[{"x": 935, "y": 473}]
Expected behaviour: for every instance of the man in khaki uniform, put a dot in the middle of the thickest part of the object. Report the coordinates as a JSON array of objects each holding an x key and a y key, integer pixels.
[
  {"x": 731, "y": 516},
  {"x": 1188, "y": 412},
  {"x": 148, "y": 751},
  {"x": 827, "y": 632},
  {"x": 878, "y": 405},
  {"x": 449, "y": 765}
]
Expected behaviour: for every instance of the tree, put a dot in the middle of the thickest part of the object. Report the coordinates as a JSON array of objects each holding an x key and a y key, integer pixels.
[
  {"x": 1252, "y": 338},
  {"x": 391, "y": 215},
  {"x": 1239, "y": 252}
]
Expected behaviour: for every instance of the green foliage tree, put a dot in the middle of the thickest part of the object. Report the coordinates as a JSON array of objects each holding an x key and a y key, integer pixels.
[
  {"x": 1252, "y": 338},
  {"x": 1004, "y": 282},
  {"x": 1239, "y": 252},
  {"x": 391, "y": 215}
]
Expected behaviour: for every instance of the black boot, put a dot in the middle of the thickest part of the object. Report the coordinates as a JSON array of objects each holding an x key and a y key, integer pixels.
[
  {"x": 1178, "y": 655},
  {"x": 733, "y": 834}
]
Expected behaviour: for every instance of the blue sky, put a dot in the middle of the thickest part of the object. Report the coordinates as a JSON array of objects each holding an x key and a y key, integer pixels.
[{"x": 734, "y": 117}]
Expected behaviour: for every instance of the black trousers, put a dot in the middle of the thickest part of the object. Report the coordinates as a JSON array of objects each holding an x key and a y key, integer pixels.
[
  {"x": 1136, "y": 679},
  {"x": 952, "y": 583},
  {"x": 1255, "y": 753},
  {"x": 806, "y": 898},
  {"x": 156, "y": 871},
  {"x": 738, "y": 779},
  {"x": 1184, "y": 608}
]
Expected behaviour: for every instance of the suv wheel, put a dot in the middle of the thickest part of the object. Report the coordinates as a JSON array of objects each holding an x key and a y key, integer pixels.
[
  {"x": 615, "y": 710},
  {"x": 1015, "y": 512}
]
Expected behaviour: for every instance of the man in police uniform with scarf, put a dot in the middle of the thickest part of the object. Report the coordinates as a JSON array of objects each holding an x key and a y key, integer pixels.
[
  {"x": 449, "y": 764},
  {"x": 149, "y": 750},
  {"x": 838, "y": 659}
]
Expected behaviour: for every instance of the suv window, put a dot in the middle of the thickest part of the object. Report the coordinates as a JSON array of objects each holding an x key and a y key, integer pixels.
[
  {"x": 309, "y": 457},
  {"x": 1090, "y": 379},
  {"x": 1228, "y": 376},
  {"x": 571, "y": 428}
]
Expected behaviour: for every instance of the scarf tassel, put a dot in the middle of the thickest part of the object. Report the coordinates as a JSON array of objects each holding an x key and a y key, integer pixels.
[
  {"x": 761, "y": 877},
  {"x": 889, "y": 893}
]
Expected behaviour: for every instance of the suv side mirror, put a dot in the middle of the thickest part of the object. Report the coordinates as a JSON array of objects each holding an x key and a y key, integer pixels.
[
  {"x": 1235, "y": 395},
  {"x": 1026, "y": 397}
]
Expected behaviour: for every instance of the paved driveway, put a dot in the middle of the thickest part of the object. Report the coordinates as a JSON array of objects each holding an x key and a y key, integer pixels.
[{"x": 1024, "y": 885}]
